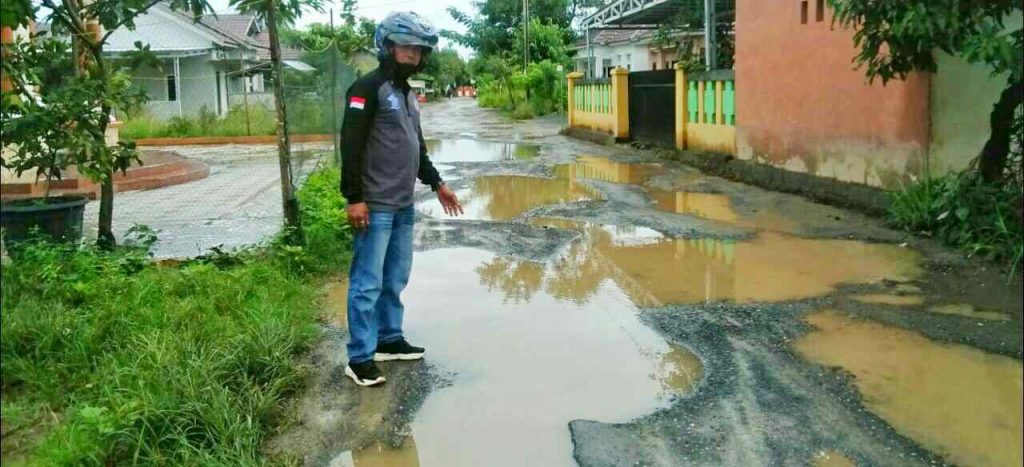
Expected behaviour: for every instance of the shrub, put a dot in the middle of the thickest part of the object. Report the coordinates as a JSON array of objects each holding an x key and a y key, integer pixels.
[{"x": 965, "y": 212}]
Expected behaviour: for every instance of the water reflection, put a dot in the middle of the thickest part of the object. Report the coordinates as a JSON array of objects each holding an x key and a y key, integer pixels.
[
  {"x": 524, "y": 370},
  {"x": 470, "y": 150},
  {"x": 380, "y": 455},
  {"x": 600, "y": 168},
  {"x": 680, "y": 370},
  {"x": 706, "y": 205},
  {"x": 501, "y": 198},
  {"x": 655, "y": 270}
]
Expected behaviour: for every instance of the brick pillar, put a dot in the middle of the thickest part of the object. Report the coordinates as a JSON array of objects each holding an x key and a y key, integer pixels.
[
  {"x": 620, "y": 106},
  {"x": 681, "y": 106},
  {"x": 571, "y": 92}
]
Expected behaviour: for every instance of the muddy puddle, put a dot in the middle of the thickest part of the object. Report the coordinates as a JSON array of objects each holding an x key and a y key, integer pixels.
[
  {"x": 530, "y": 346},
  {"x": 603, "y": 169},
  {"x": 501, "y": 198},
  {"x": 470, "y": 150},
  {"x": 889, "y": 299},
  {"x": 380, "y": 455},
  {"x": 655, "y": 270},
  {"x": 968, "y": 311},
  {"x": 712, "y": 206},
  {"x": 832, "y": 459},
  {"x": 956, "y": 401},
  {"x": 523, "y": 369}
]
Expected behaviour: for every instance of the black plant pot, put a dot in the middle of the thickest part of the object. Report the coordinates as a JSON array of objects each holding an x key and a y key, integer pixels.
[{"x": 59, "y": 217}]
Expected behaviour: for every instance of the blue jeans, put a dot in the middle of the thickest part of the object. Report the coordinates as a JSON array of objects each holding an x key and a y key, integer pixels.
[{"x": 380, "y": 270}]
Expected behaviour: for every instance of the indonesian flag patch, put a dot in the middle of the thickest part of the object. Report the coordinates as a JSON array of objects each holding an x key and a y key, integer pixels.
[{"x": 357, "y": 103}]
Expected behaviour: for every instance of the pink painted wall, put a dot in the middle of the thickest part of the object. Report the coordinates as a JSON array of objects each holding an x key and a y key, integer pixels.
[{"x": 802, "y": 105}]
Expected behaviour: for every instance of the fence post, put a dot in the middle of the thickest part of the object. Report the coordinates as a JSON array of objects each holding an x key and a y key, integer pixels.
[
  {"x": 620, "y": 103},
  {"x": 681, "y": 106},
  {"x": 571, "y": 95},
  {"x": 719, "y": 114}
]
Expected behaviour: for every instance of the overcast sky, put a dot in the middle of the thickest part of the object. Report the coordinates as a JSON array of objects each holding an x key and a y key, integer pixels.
[{"x": 433, "y": 10}]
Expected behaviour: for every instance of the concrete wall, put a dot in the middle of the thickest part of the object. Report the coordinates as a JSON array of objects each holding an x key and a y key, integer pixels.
[
  {"x": 665, "y": 56},
  {"x": 154, "y": 82},
  {"x": 199, "y": 82},
  {"x": 633, "y": 57},
  {"x": 802, "y": 106},
  {"x": 198, "y": 85},
  {"x": 962, "y": 97}
]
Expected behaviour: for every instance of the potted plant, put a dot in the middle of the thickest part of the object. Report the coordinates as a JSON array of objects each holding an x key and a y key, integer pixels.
[{"x": 49, "y": 124}]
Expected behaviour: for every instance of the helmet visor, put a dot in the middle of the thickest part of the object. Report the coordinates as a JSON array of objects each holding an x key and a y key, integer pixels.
[{"x": 410, "y": 39}]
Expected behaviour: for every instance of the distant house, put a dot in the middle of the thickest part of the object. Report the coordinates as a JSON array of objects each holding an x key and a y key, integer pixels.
[
  {"x": 215, "y": 63},
  {"x": 632, "y": 49}
]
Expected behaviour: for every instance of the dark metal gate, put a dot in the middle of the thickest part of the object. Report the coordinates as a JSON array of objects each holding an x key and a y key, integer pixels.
[{"x": 652, "y": 109}]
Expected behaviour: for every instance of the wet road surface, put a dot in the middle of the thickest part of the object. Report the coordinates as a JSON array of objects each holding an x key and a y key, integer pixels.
[{"x": 601, "y": 307}]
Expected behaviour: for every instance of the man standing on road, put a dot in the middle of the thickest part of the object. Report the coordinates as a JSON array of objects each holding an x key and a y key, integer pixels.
[{"x": 383, "y": 155}]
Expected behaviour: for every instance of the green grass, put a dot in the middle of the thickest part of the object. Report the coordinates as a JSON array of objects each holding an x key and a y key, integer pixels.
[
  {"x": 965, "y": 212},
  {"x": 307, "y": 115},
  {"x": 149, "y": 364}
]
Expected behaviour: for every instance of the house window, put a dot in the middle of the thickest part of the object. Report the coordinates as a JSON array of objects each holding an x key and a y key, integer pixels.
[
  {"x": 803, "y": 12},
  {"x": 629, "y": 60},
  {"x": 172, "y": 88},
  {"x": 819, "y": 11},
  {"x": 257, "y": 83},
  {"x": 607, "y": 65},
  {"x": 654, "y": 66}
]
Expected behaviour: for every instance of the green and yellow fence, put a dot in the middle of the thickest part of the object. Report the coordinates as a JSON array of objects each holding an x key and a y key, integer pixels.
[
  {"x": 705, "y": 108},
  {"x": 600, "y": 104},
  {"x": 706, "y": 111}
]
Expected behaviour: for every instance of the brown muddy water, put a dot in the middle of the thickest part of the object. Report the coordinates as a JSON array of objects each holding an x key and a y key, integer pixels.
[
  {"x": 526, "y": 363},
  {"x": 469, "y": 150},
  {"x": 955, "y": 400},
  {"x": 534, "y": 345}
]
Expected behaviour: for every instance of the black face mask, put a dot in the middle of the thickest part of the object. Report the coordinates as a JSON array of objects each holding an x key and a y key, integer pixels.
[{"x": 404, "y": 70}]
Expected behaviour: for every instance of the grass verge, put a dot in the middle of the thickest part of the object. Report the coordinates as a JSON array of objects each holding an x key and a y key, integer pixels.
[{"x": 111, "y": 359}]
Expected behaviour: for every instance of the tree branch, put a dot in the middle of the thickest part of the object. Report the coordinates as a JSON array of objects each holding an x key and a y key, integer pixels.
[
  {"x": 64, "y": 13},
  {"x": 126, "y": 19}
]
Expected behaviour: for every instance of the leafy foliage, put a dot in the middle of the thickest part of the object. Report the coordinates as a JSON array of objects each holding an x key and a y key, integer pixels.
[
  {"x": 140, "y": 363},
  {"x": 896, "y": 38},
  {"x": 495, "y": 29},
  {"x": 964, "y": 211},
  {"x": 53, "y": 116},
  {"x": 447, "y": 68}
]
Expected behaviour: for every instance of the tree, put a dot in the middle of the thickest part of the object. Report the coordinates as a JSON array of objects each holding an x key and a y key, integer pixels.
[
  {"x": 500, "y": 22},
  {"x": 277, "y": 13},
  {"x": 548, "y": 41},
  {"x": 350, "y": 38},
  {"x": 447, "y": 68},
  {"x": 898, "y": 38},
  {"x": 51, "y": 117},
  {"x": 107, "y": 83}
]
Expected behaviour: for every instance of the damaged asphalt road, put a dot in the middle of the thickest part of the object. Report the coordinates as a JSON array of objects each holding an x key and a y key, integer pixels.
[{"x": 603, "y": 308}]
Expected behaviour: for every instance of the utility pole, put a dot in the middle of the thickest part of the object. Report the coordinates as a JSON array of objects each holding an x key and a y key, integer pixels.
[
  {"x": 526, "y": 41},
  {"x": 334, "y": 94},
  {"x": 710, "y": 59},
  {"x": 590, "y": 57},
  {"x": 288, "y": 200},
  {"x": 526, "y": 34},
  {"x": 245, "y": 91}
]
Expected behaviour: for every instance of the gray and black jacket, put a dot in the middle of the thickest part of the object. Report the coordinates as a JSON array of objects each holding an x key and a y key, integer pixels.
[{"x": 383, "y": 152}]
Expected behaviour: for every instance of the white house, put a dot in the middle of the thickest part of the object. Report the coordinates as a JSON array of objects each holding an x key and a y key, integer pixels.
[
  {"x": 215, "y": 63},
  {"x": 632, "y": 49}
]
